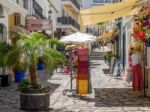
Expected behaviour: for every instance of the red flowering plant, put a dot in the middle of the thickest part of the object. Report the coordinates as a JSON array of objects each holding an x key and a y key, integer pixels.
[
  {"x": 141, "y": 36},
  {"x": 142, "y": 24}
]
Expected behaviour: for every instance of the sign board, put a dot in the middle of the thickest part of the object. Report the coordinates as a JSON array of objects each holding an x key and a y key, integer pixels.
[
  {"x": 38, "y": 24},
  {"x": 103, "y": 2}
]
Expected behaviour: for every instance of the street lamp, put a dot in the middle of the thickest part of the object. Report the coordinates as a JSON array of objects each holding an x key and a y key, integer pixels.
[
  {"x": 49, "y": 13},
  {"x": 49, "y": 16}
]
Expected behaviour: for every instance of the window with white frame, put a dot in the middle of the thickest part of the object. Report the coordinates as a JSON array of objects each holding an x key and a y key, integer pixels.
[{"x": 17, "y": 19}]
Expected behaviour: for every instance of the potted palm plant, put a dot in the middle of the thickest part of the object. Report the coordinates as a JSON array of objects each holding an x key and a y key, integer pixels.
[
  {"x": 6, "y": 60},
  {"x": 34, "y": 96}
]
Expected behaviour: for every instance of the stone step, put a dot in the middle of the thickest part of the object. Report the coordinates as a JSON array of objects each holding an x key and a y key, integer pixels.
[
  {"x": 96, "y": 58},
  {"x": 96, "y": 52}
]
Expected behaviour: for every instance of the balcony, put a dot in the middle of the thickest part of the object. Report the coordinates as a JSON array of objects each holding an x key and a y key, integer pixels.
[
  {"x": 72, "y": 3},
  {"x": 89, "y": 30},
  {"x": 38, "y": 10},
  {"x": 68, "y": 21},
  {"x": 25, "y": 4}
]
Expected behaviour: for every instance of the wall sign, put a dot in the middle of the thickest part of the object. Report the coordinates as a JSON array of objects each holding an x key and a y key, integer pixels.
[
  {"x": 99, "y": 2},
  {"x": 38, "y": 24}
]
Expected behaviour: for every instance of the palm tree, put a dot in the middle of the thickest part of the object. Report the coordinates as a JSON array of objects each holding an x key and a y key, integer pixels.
[{"x": 33, "y": 47}]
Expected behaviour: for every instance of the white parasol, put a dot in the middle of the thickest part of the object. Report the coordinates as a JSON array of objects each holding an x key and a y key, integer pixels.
[{"x": 78, "y": 38}]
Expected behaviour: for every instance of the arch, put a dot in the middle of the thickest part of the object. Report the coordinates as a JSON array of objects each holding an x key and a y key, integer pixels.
[{"x": 3, "y": 33}]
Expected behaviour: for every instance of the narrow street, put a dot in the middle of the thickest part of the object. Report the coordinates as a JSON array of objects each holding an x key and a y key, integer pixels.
[
  {"x": 74, "y": 55},
  {"x": 109, "y": 95}
]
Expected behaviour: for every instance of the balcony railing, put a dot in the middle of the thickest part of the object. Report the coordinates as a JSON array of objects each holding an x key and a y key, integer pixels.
[
  {"x": 38, "y": 9},
  {"x": 25, "y": 4},
  {"x": 89, "y": 30},
  {"x": 68, "y": 21},
  {"x": 75, "y": 3}
]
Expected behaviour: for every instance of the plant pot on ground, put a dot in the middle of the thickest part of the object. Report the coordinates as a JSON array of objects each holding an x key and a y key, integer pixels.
[
  {"x": 108, "y": 56},
  {"x": 32, "y": 95},
  {"x": 19, "y": 71},
  {"x": 41, "y": 64}
]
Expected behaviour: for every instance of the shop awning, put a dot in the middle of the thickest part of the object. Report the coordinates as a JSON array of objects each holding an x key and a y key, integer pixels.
[
  {"x": 73, "y": 46},
  {"x": 107, "y": 36},
  {"x": 19, "y": 29},
  {"x": 113, "y": 11}
]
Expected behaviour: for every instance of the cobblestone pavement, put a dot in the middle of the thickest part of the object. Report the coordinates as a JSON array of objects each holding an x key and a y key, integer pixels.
[
  {"x": 109, "y": 95},
  {"x": 9, "y": 96}
]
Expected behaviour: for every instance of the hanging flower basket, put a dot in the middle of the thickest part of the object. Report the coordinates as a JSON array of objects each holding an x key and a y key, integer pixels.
[
  {"x": 145, "y": 22},
  {"x": 136, "y": 32},
  {"x": 142, "y": 23},
  {"x": 141, "y": 36},
  {"x": 137, "y": 46},
  {"x": 136, "y": 18}
]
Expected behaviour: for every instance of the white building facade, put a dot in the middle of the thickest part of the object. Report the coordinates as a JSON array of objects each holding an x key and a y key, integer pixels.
[
  {"x": 67, "y": 17},
  {"x": 9, "y": 11}
]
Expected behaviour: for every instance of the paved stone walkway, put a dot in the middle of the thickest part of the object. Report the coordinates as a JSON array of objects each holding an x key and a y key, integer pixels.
[
  {"x": 109, "y": 95},
  {"x": 9, "y": 96}
]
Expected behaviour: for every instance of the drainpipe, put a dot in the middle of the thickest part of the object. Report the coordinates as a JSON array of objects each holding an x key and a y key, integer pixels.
[
  {"x": 121, "y": 39},
  {"x": 148, "y": 69}
]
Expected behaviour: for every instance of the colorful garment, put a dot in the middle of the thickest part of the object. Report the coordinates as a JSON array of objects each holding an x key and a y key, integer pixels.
[
  {"x": 137, "y": 82},
  {"x": 137, "y": 78}
]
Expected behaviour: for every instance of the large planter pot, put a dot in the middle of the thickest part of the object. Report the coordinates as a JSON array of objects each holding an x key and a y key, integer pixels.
[
  {"x": 5, "y": 80},
  {"x": 148, "y": 43},
  {"x": 29, "y": 101},
  {"x": 40, "y": 66},
  {"x": 19, "y": 75}
]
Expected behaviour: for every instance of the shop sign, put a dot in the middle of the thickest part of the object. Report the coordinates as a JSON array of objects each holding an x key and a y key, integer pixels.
[
  {"x": 38, "y": 24},
  {"x": 102, "y": 2}
]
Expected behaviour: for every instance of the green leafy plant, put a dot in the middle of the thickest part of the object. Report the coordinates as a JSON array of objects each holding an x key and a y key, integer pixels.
[
  {"x": 20, "y": 66},
  {"x": 26, "y": 87},
  {"x": 34, "y": 46},
  {"x": 8, "y": 55},
  {"x": 108, "y": 55},
  {"x": 59, "y": 45}
]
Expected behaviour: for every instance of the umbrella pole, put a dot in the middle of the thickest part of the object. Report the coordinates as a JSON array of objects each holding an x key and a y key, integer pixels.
[{"x": 70, "y": 55}]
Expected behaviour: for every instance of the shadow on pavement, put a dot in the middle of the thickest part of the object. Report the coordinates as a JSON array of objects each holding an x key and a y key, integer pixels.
[
  {"x": 106, "y": 71},
  {"x": 119, "y": 97},
  {"x": 48, "y": 110},
  {"x": 95, "y": 64},
  {"x": 53, "y": 87}
]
